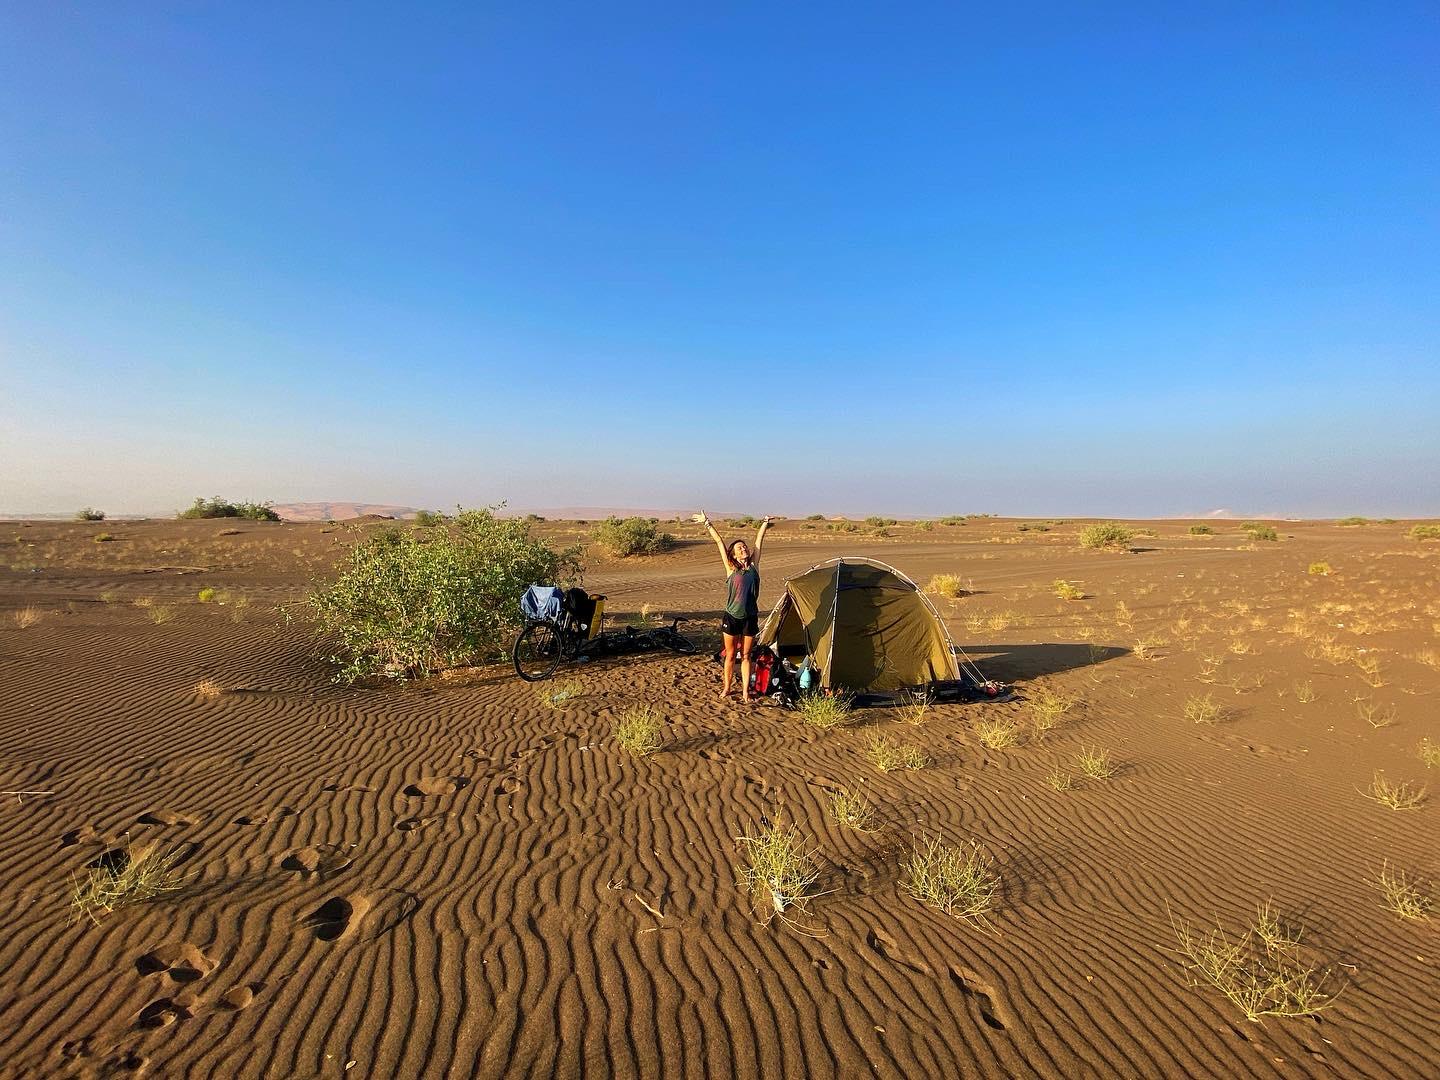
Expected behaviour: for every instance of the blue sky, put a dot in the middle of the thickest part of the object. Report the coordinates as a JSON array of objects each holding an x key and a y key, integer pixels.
[{"x": 919, "y": 260}]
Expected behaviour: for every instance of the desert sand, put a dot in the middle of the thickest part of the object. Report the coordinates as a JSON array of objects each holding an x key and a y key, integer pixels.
[{"x": 452, "y": 878}]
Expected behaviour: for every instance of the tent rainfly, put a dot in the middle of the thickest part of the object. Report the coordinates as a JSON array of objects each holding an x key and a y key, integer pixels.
[{"x": 864, "y": 625}]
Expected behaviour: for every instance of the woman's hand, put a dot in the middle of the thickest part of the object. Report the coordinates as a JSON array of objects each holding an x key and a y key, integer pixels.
[{"x": 700, "y": 518}]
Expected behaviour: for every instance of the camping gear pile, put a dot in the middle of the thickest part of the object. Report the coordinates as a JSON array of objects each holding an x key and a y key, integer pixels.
[{"x": 861, "y": 626}]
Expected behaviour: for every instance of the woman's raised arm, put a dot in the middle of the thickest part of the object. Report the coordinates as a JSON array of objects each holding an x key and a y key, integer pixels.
[
  {"x": 719, "y": 543},
  {"x": 759, "y": 540}
]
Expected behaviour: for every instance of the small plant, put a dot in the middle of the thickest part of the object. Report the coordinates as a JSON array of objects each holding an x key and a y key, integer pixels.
[
  {"x": 950, "y": 586},
  {"x": 1046, "y": 708},
  {"x": 638, "y": 730},
  {"x": 953, "y": 519},
  {"x": 825, "y": 710},
  {"x": 1305, "y": 692},
  {"x": 998, "y": 732},
  {"x": 1272, "y": 932},
  {"x": 1405, "y": 898},
  {"x": 26, "y": 617},
  {"x": 1095, "y": 763},
  {"x": 852, "y": 810},
  {"x": 89, "y": 513},
  {"x": 1262, "y": 532},
  {"x": 1259, "y": 980},
  {"x": 843, "y": 526},
  {"x": 160, "y": 614},
  {"x": 216, "y": 507},
  {"x": 1401, "y": 796},
  {"x": 925, "y": 526},
  {"x": 876, "y": 522},
  {"x": 1110, "y": 535},
  {"x": 558, "y": 695},
  {"x": 1068, "y": 590},
  {"x": 206, "y": 596},
  {"x": 1370, "y": 673},
  {"x": 1321, "y": 569},
  {"x": 779, "y": 869},
  {"x": 1376, "y": 715},
  {"x": 815, "y": 517},
  {"x": 1425, "y": 532},
  {"x": 1201, "y": 530},
  {"x": 632, "y": 536},
  {"x": 1059, "y": 779},
  {"x": 428, "y": 519},
  {"x": 208, "y": 689},
  {"x": 1202, "y": 710},
  {"x": 960, "y": 881},
  {"x": 888, "y": 756},
  {"x": 1353, "y": 521},
  {"x": 130, "y": 876},
  {"x": 1429, "y": 753},
  {"x": 914, "y": 713},
  {"x": 1147, "y": 648}
]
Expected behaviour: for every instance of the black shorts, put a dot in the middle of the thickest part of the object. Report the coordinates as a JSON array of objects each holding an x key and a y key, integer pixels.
[{"x": 746, "y": 627}]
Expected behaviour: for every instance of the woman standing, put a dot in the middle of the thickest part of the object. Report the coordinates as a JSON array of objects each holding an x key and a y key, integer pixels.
[{"x": 741, "y": 621}]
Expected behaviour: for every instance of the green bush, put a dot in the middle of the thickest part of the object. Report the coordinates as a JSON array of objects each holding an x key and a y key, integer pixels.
[
  {"x": 633, "y": 536},
  {"x": 953, "y": 519},
  {"x": 843, "y": 526},
  {"x": 1425, "y": 532},
  {"x": 409, "y": 602},
  {"x": 1032, "y": 526},
  {"x": 428, "y": 519},
  {"x": 1261, "y": 532},
  {"x": 1201, "y": 530},
  {"x": 876, "y": 522},
  {"x": 815, "y": 517},
  {"x": 925, "y": 526},
  {"x": 216, "y": 507},
  {"x": 89, "y": 513},
  {"x": 1353, "y": 521},
  {"x": 1110, "y": 534}
]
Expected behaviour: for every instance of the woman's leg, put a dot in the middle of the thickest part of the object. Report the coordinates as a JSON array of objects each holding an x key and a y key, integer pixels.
[
  {"x": 730, "y": 642},
  {"x": 746, "y": 644}
]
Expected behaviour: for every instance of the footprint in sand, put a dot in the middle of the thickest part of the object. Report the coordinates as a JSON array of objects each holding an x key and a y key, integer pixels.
[
  {"x": 163, "y": 1012},
  {"x": 82, "y": 835},
  {"x": 981, "y": 993},
  {"x": 335, "y": 785},
  {"x": 181, "y": 962},
  {"x": 262, "y": 818},
  {"x": 320, "y": 859},
  {"x": 886, "y": 947},
  {"x": 163, "y": 817},
  {"x": 509, "y": 785},
  {"x": 131, "y": 1061},
  {"x": 415, "y": 824},
  {"x": 437, "y": 785},
  {"x": 241, "y": 997},
  {"x": 336, "y": 917}
]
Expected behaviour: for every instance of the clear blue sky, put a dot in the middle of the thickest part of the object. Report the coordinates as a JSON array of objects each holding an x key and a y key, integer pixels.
[{"x": 915, "y": 259}]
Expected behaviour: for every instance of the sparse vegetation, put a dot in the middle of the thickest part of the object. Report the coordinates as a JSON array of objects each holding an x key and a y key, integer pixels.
[
  {"x": 843, "y": 526},
  {"x": 888, "y": 756},
  {"x": 825, "y": 710},
  {"x": 953, "y": 519},
  {"x": 1374, "y": 713},
  {"x": 1046, "y": 708},
  {"x": 1353, "y": 521},
  {"x": 103, "y": 537},
  {"x": 815, "y": 517},
  {"x": 1109, "y": 535},
  {"x": 1321, "y": 569},
  {"x": 632, "y": 536},
  {"x": 216, "y": 507},
  {"x": 1202, "y": 710},
  {"x": 852, "y": 810},
  {"x": 1068, "y": 590},
  {"x": 427, "y": 519},
  {"x": 1425, "y": 532},
  {"x": 160, "y": 614},
  {"x": 205, "y": 596},
  {"x": 1408, "y": 899},
  {"x": 1259, "y": 978},
  {"x": 876, "y": 522},
  {"x": 960, "y": 881},
  {"x": 1305, "y": 692},
  {"x": 208, "y": 689},
  {"x": 1094, "y": 763},
  {"x": 950, "y": 586},
  {"x": 1059, "y": 779},
  {"x": 997, "y": 732},
  {"x": 408, "y": 601},
  {"x": 914, "y": 713},
  {"x": 1430, "y": 753},
  {"x": 638, "y": 730},
  {"x": 128, "y": 876},
  {"x": 1201, "y": 530},
  {"x": 779, "y": 868},
  {"x": 89, "y": 513},
  {"x": 1397, "y": 796},
  {"x": 26, "y": 617},
  {"x": 1261, "y": 532},
  {"x": 556, "y": 695}
]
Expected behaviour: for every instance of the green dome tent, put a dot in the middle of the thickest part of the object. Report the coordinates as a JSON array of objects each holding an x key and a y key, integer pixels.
[{"x": 864, "y": 625}]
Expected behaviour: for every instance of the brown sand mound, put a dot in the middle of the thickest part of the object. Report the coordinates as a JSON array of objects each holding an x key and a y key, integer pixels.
[{"x": 456, "y": 879}]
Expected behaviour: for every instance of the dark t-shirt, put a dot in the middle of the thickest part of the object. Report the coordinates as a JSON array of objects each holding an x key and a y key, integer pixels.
[{"x": 742, "y": 598}]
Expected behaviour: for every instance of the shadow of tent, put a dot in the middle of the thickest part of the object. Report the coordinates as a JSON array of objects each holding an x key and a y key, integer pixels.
[{"x": 1009, "y": 663}]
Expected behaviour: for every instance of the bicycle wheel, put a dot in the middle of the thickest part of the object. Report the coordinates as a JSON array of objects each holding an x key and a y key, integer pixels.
[
  {"x": 538, "y": 651},
  {"x": 675, "y": 641}
]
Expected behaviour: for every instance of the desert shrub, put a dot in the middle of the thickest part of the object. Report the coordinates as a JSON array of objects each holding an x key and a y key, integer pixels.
[
  {"x": 959, "y": 881},
  {"x": 1353, "y": 521},
  {"x": 888, "y": 756},
  {"x": 205, "y": 596},
  {"x": 825, "y": 710},
  {"x": 997, "y": 732},
  {"x": 925, "y": 526},
  {"x": 1201, "y": 530},
  {"x": 950, "y": 586},
  {"x": 1321, "y": 569},
  {"x": 1032, "y": 526},
  {"x": 1108, "y": 535},
  {"x": 556, "y": 695},
  {"x": 843, "y": 526},
  {"x": 536, "y": 519},
  {"x": 123, "y": 877},
  {"x": 877, "y": 522},
  {"x": 408, "y": 602},
  {"x": 1397, "y": 796},
  {"x": 1406, "y": 898},
  {"x": 104, "y": 537},
  {"x": 1202, "y": 710},
  {"x": 1261, "y": 532},
  {"x": 779, "y": 868},
  {"x": 216, "y": 507},
  {"x": 815, "y": 517},
  {"x": 852, "y": 810},
  {"x": 1425, "y": 532},
  {"x": 1094, "y": 763},
  {"x": 426, "y": 519},
  {"x": 638, "y": 730},
  {"x": 1068, "y": 590},
  {"x": 89, "y": 513},
  {"x": 632, "y": 536}
]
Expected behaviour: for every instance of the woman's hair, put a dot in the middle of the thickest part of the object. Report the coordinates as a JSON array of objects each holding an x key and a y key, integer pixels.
[{"x": 730, "y": 548}]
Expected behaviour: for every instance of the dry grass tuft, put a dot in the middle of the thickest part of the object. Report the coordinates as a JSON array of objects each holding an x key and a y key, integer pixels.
[
  {"x": 914, "y": 713},
  {"x": 133, "y": 876},
  {"x": 558, "y": 695},
  {"x": 27, "y": 617},
  {"x": 1401, "y": 796},
  {"x": 960, "y": 881},
  {"x": 1202, "y": 710},
  {"x": 1321, "y": 569},
  {"x": 1429, "y": 753},
  {"x": 998, "y": 732},
  {"x": 1095, "y": 763},
  {"x": 779, "y": 868},
  {"x": 1305, "y": 692},
  {"x": 1259, "y": 977},
  {"x": 852, "y": 810},
  {"x": 1375, "y": 714},
  {"x": 888, "y": 756},
  {"x": 1059, "y": 779},
  {"x": 638, "y": 730},
  {"x": 208, "y": 689},
  {"x": 160, "y": 614},
  {"x": 1405, "y": 898},
  {"x": 1370, "y": 673},
  {"x": 825, "y": 710},
  {"x": 1068, "y": 590},
  {"x": 950, "y": 586},
  {"x": 1047, "y": 706}
]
